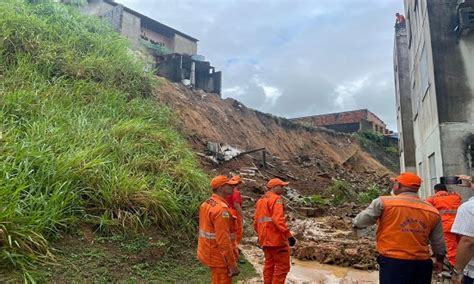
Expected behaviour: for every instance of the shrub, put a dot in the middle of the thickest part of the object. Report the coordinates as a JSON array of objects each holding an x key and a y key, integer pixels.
[
  {"x": 315, "y": 201},
  {"x": 341, "y": 192},
  {"x": 370, "y": 194}
]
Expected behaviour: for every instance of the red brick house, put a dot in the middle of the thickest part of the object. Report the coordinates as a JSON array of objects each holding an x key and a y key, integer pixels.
[{"x": 348, "y": 122}]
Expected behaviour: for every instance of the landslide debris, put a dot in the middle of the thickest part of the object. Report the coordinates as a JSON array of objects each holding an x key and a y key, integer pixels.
[
  {"x": 308, "y": 157},
  {"x": 331, "y": 176}
]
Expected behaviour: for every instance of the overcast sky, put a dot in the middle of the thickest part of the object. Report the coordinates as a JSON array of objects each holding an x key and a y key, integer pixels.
[{"x": 293, "y": 58}]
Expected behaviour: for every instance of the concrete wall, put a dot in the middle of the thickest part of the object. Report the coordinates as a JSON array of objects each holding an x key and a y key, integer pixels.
[
  {"x": 345, "y": 127},
  {"x": 442, "y": 62},
  {"x": 406, "y": 141},
  {"x": 167, "y": 42},
  {"x": 454, "y": 69},
  {"x": 131, "y": 28},
  {"x": 129, "y": 24},
  {"x": 96, "y": 8},
  {"x": 425, "y": 114},
  {"x": 184, "y": 45}
]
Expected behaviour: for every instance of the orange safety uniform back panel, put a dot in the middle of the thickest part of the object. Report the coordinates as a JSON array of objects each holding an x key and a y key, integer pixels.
[
  {"x": 404, "y": 227},
  {"x": 447, "y": 204},
  {"x": 216, "y": 244},
  {"x": 269, "y": 221}
]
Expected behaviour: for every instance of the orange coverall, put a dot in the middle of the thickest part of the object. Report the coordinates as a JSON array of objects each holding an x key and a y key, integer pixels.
[
  {"x": 216, "y": 244},
  {"x": 447, "y": 204},
  {"x": 273, "y": 234}
]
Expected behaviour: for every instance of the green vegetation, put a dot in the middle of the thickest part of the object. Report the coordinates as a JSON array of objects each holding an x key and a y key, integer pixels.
[
  {"x": 380, "y": 147},
  {"x": 82, "y": 138},
  {"x": 370, "y": 194},
  {"x": 148, "y": 257},
  {"x": 341, "y": 192},
  {"x": 369, "y": 138},
  {"x": 315, "y": 201}
]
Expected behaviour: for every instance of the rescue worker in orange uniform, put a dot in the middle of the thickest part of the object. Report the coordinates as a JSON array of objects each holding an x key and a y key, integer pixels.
[
  {"x": 235, "y": 204},
  {"x": 406, "y": 227},
  {"x": 273, "y": 234},
  {"x": 447, "y": 204},
  {"x": 216, "y": 245}
]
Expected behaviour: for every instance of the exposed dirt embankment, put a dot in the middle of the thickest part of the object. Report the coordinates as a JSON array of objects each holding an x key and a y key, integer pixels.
[{"x": 308, "y": 157}]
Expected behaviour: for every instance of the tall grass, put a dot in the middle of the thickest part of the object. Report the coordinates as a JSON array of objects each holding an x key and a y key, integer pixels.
[{"x": 82, "y": 139}]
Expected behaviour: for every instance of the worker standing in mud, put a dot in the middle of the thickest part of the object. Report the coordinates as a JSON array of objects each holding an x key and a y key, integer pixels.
[
  {"x": 447, "y": 204},
  {"x": 406, "y": 227},
  {"x": 273, "y": 234},
  {"x": 235, "y": 204},
  {"x": 216, "y": 245}
]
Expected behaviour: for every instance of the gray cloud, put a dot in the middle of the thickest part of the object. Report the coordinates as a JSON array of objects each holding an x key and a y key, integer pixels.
[{"x": 293, "y": 58}]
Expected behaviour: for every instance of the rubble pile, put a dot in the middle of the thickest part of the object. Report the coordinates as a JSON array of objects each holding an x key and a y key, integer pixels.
[
  {"x": 232, "y": 139},
  {"x": 331, "y": 240}
]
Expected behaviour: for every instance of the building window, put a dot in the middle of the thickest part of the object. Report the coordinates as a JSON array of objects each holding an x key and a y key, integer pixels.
[
  {"x": 424, "y": 77},
  {"x": 432, "y": 164}
]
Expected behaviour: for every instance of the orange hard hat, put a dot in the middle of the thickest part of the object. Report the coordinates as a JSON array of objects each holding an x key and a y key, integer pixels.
[
  {"x": 408, "y": 179},
  {"x": 276, "y": 182},
  {"x": 237, "y": 179},
  {"x": 219, "y": 181}
]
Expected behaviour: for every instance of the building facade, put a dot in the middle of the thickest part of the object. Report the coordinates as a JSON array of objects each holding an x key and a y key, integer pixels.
[
  {"x": 440, "y": 43},
  {"x": 140, "y": 28},
  {"x": 406, "y": 142},
  {"x": 173, "y": 53},
  {"x": 347, "y": 122}
]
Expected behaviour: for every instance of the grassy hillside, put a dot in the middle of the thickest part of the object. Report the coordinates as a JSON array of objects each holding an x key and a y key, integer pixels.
[{"x": 81, "y": 137}]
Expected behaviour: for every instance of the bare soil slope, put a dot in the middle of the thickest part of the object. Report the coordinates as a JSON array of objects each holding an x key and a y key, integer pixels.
[{"x": 313, "y": 156}]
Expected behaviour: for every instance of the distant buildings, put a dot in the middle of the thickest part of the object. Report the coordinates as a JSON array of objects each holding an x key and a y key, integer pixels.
[
  {"x": 348, "y": 122},
  {"x": 175, "y": 52},
  {"x": 434, "y": 68}
]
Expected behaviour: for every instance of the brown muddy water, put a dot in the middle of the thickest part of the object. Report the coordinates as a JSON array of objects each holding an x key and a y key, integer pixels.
[{"x": 303, "y": 272}]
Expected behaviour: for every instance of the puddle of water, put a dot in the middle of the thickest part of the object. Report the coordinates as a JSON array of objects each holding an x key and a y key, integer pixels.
[
  {"x": 303, "y": 272},
  {"x": 314, "y": 272}
]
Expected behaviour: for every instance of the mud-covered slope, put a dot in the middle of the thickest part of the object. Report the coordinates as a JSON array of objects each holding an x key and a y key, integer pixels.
[{"x": 313, "y": 156}]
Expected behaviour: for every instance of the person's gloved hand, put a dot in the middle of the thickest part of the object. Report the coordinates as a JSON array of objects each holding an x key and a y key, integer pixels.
[
  {"x": 292, "y": 241},
  {"x": 233, "y": 271}
]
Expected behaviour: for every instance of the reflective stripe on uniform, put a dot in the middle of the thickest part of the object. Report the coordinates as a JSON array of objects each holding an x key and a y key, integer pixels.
[
  {"x": 207, "y": 235},
  {"x": 212, "y": 236},
  {"x": 448, "y": 211},
  {"x": 264, "y": 219}
]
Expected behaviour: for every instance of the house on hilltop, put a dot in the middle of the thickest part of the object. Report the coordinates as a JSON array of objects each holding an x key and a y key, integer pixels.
[
  {"x": 347, "y": 122},
  {"x": 175, "y": 52}
]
